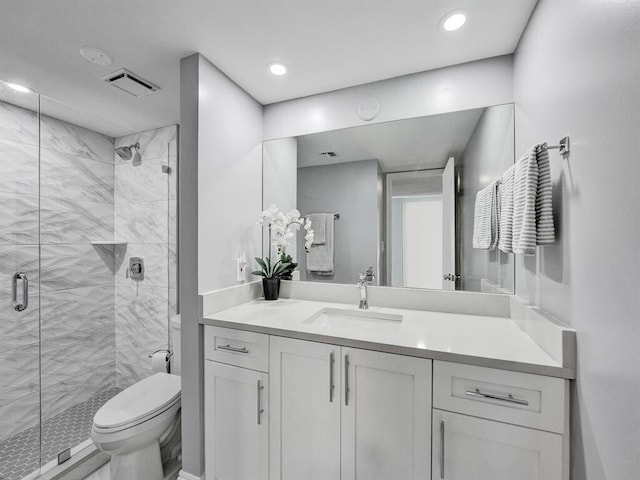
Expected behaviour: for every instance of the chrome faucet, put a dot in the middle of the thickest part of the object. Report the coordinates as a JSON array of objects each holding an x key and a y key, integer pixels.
[{"x": 365, "y": 279}]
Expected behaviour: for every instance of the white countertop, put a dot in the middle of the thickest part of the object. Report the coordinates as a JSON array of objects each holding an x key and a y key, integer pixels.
[{"x": 478, "y": 340}]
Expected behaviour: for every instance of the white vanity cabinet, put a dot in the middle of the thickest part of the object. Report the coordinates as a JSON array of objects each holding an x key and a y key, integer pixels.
[
  {"x": 493, "y": 424},
  {"x": 236, "y": 405},
  {"x": 346, "y": 413}
]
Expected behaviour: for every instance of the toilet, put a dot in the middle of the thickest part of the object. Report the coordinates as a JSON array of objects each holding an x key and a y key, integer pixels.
[{"x": 140, "y": 429}]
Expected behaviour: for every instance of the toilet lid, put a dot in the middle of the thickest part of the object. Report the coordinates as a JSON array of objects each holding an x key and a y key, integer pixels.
[{"x": 143, "y": 399}]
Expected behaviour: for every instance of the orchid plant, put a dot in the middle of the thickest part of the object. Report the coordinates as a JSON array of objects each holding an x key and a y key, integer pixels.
[{"x": 281, "y": 229}]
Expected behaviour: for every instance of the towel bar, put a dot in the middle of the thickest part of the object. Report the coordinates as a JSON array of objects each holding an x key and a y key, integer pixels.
[{"x": 563, "y": 147}]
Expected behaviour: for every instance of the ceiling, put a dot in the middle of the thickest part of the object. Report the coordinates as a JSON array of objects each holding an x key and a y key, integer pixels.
[
  {"x": 414, "y": 144},
  {"x": 327, "y": 44}
]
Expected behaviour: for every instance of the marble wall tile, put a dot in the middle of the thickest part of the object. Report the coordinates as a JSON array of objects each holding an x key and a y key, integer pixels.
[
  {"x": 72, "y": 221},
  {"x": 66, "y": 358},
  {"x": 173, "y": 177},
  {"x": 75, "y": 140},
  {"x": 141, "y": 306},
  {"x": 76, "y": 265},
  {"x": 18, "y": 124},
  {"x": 173, "y": 302},
  {"x": 19, "y": 370},
  {"x": 18, "y": 219},
  {"x": 19, "y": 415},
  {"x": 141, "y": 183},
  {"x": 158, "y": 143},
  {"x": 142, "y": 222},
  {"x": 66, "y": 311},
  {"x": 67, "y": 393},
  {"x": 156, "y": 266},
  {"x": 18, "y": 328},
  {"x": 76, "y": 178},
  {"x": 19, "y": 167},
  {"x": 19, "y": 258},
  {"x": 135, "y": 343}
]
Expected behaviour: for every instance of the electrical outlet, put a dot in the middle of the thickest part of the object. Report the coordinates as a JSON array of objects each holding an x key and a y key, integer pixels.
[{"x": 241, "y": 267}]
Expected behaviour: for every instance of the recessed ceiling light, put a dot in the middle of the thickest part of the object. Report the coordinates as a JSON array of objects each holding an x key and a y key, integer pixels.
[
  {"x": 95, "y": 55},
  {"x": 278, "y": 68},
  {"x": 454, "y": 20},
  {"x": 20, "y": 88}
]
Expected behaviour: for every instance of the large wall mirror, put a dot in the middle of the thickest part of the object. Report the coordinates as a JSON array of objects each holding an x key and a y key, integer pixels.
[{"x": 398, "y": 197}]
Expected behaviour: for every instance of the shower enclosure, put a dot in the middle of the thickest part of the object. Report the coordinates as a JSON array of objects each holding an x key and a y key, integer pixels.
[{"x": 75, "y": 325}]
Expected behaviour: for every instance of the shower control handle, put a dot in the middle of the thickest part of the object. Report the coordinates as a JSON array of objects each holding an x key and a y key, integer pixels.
[{"x": 20, "y": 307}]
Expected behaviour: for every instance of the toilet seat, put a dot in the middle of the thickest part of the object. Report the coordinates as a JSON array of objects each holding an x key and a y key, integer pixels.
[{"x": 138, "y": 403}]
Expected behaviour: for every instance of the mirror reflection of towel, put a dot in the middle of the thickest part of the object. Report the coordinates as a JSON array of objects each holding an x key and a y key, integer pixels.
[
  {"x": 485, "y": 221},
  {"x": 319, "y": 225},
  {"x": 320, "y": 257}
]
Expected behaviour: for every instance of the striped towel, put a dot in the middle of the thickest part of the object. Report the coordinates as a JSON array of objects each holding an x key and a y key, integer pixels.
[
  {"x": 485, "y": 220},
  {"x": 506, "y": 211},
  {"x": 545, "y": 233},
  {"x": 525, "y": 190}
]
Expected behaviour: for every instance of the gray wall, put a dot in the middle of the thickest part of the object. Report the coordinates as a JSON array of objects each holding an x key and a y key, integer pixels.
[
  {"x": 488, "y": 154},
  {"x": 350, "y": 189},
  {"x": 590, "y": 278}
]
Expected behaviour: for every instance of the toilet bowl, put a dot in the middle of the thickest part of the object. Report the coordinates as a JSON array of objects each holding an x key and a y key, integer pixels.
[{"x": 140, "y": 429}]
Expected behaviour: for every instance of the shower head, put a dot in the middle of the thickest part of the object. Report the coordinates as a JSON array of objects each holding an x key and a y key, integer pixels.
[{"x": 126, "y": 153}]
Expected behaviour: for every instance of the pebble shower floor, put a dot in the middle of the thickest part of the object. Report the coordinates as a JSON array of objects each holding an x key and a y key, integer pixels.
[{"x": 20, "y": 454}]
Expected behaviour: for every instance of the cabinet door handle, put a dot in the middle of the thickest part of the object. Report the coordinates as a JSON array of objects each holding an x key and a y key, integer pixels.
[
  {"x": 441, "y": 449},
  {"x": 229, "y": 348},
  {"x": 259, "y": 402},
  {"x": 346, "y": 380},
  {"x": 503, "y": 398},
  {"x": 20, "y": 307},
  {"x": 332, "y": 386}
]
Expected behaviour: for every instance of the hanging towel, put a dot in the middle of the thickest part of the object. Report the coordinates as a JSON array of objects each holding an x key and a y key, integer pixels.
[
  {"x": 320, "y": 257},
  {"x": 525, "y": 191},
  {"x": 485, "y": 221},
  {"x": 506, "y": 211},
  {"x": 545, "y": 233},
  {"x": 318, "y": 224}
]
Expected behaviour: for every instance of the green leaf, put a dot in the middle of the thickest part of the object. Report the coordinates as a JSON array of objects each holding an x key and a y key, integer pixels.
[{"x": 258, "y": 272}]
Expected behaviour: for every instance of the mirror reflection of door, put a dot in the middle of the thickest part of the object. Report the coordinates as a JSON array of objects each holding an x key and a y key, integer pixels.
[{"x": 416, "y": 230}]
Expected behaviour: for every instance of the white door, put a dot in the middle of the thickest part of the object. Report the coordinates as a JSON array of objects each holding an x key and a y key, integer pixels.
[
  {"x": 449, "y": 225},
  {"x": 236, "y": 423},
  {"x": 479, "y": 449},
  {"x": 305, "y": 418},
  {"x": 386, "y": 416}
]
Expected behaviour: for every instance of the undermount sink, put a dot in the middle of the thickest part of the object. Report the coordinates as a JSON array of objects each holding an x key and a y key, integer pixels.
[{"x": 343, "y": 318}]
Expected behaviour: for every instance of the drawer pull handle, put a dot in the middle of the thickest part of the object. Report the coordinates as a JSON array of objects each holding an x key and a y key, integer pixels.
[
  {"x": 441, "y": 449},
  {"x": 503, "y": 398},
  {"x": 229, "y": 348}
]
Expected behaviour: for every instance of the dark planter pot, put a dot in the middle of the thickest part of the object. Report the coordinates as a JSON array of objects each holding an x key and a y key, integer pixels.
[{"x": 271, "y": 288}]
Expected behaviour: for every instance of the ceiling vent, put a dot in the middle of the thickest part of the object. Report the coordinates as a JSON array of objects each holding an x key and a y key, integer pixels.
[{"x": 130, "y": 83}]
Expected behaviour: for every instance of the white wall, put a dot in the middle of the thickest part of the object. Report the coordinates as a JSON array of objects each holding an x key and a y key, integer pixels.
[
  {"x": 461, "y": 87},
  {"x": 577, "y": 72},
  {"x": 229, "y": 178},
  {"x": 220, "y": 199}
]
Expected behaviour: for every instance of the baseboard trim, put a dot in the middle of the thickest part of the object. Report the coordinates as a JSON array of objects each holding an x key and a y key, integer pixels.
[{"x": 187, "y": 476}]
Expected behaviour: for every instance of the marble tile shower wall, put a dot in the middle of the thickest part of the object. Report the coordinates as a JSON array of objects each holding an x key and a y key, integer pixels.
[
  {"x": 76, "y": 206},
  {"x": 145, "y": 206}
]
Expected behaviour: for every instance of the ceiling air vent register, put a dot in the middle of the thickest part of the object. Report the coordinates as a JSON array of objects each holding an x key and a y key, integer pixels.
[{"x": 130, "y": 83}]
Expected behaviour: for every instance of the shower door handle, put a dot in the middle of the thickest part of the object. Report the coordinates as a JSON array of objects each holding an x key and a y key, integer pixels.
[{"x": 20, "y": 307}]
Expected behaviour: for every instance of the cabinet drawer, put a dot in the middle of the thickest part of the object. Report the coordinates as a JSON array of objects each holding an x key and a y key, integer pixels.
[
  {"x": 237, "y": 347},
  {"x": 519, "y": 398}
]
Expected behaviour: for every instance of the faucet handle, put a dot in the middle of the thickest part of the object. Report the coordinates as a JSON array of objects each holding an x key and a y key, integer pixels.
[{"x": 369, "y": 275}]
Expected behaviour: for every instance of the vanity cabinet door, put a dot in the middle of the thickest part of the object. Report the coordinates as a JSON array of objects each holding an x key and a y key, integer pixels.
[
  {"x": 386, "y": 416},
  {"x": 480, "y": 449},
  {"x": 305, "y": 418},
  {"x": 236, "y": 423}
]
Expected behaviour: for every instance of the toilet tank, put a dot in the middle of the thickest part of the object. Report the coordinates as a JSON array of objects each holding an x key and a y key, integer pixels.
[{"x": 175, "y": 326}]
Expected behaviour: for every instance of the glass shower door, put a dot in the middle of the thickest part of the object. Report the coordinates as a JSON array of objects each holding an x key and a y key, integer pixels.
[{"x": 19, "y": 285}]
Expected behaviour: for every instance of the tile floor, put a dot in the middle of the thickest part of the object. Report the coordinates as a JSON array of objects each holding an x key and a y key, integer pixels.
[{"x": 20, "y": 454}]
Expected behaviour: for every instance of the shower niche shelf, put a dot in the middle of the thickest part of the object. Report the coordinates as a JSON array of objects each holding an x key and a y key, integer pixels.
[{"x": 108, "y": 242}]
